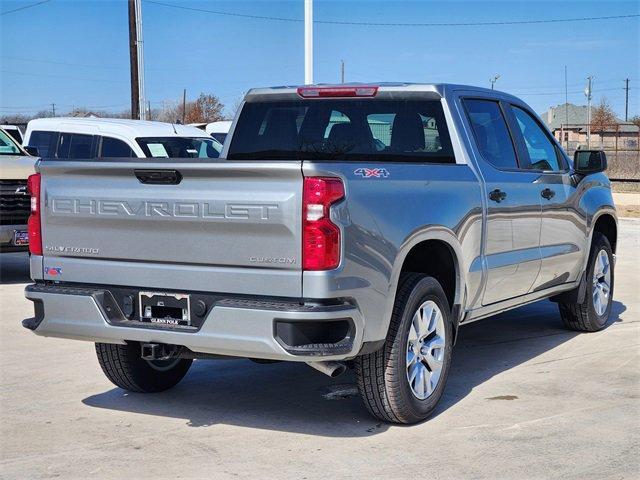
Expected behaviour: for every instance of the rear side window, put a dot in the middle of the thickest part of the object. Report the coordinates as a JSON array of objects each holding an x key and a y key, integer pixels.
[
  {"x": 491, "y": 133},
  {"x": 76, "y": 146},
  {"x": 343, "y": 129},
  {"x": 112, "y": 147},
  {"x": 45, "y": 142}
]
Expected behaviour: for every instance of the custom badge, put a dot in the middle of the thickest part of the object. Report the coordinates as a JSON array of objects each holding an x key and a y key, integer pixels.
[
  {"x": 53, "y": 271},
  {"x": 371, "y": 172}
]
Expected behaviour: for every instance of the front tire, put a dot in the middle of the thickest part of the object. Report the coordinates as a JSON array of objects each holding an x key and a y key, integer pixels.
[
  {"x": 592, "y": 314},
  {"x": 123, "y": 365},
  {"x": 404, "y": 380}
]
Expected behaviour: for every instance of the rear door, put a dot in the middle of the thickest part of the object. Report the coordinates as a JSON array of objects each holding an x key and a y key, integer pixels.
[
  {"x": 208, "y": 226},
  {"x": 512, "y": 236}
]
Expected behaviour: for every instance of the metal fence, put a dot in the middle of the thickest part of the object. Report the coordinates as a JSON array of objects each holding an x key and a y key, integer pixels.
[{"x": 621, "y": 142}]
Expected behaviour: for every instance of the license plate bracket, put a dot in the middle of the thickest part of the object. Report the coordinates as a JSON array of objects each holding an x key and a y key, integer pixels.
[
  {"x": 162, "y": 308},
  {"x": 20, "y": 237}
]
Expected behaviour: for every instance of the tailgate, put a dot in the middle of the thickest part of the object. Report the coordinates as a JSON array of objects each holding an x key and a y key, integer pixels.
[{"x": 225, "y": 227}]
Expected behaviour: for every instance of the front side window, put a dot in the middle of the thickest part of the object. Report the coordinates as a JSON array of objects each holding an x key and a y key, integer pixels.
[
  {"x": 543, "y": 154},
  {"x": 7, "y": 145},
  {"x": 180, "y": 147},
  {"x": 491, "y": 133},
  {"x": 112, "y": 147},
  {"x": 343, "y": 129},
  {"x": 45, "y": 142}
]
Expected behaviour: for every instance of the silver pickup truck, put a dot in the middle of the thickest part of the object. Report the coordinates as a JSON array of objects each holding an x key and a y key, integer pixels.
[{"x": 349, "y": 225}]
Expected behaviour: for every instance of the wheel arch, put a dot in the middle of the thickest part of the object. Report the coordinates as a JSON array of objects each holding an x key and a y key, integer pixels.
[
  {"x": 415, "y": 255},
  {"x": 606, "y": 224}
]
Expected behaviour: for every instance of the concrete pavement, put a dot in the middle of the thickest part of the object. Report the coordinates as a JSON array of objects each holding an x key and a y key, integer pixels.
[{"x": 525, "y": 399}]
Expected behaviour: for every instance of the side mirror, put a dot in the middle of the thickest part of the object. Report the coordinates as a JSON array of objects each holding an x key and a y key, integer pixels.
[
  {"x": 586, "y": 162},
  {"x": 33, "y": 151}
]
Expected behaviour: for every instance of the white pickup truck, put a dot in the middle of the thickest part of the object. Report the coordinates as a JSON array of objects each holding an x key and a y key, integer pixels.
[{"x": 15, "y": 167}]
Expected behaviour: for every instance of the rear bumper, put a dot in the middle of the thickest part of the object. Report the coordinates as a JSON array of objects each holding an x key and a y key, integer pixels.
[{"x": 232, "y": 326}]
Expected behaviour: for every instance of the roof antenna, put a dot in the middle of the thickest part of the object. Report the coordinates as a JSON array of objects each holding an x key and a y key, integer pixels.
[{"x": 174, "y": 128}]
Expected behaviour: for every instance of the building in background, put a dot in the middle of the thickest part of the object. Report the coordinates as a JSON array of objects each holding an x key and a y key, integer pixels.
[{"x": 568, "y": 122}]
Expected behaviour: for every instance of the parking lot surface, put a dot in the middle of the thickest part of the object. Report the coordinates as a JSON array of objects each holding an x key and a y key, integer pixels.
[{"x": 525, "y": 399}]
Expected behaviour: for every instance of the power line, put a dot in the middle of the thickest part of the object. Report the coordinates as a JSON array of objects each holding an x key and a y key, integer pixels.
[
  {"x": 24, "y": 8},
  {"x": 571, "y": 91},
  {"x": 396, "y": 24},
  {"x": 22, "y": 59}
]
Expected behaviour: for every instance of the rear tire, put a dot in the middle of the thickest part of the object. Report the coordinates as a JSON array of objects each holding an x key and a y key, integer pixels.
[
  {"x": 384, "y": 377},
  {"x": 123, "y": 365},
  {"x": 592, "y": 314}
]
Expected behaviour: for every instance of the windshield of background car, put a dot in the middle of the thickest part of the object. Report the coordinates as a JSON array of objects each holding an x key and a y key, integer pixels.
[
  {"x": 7, "y": 145},
  {"x": 180, "y": 147},
  {"x": 344, "y": 129}
]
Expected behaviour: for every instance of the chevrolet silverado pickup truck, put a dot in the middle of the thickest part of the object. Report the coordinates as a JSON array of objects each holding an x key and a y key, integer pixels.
[{"x": 347, "y": 225}]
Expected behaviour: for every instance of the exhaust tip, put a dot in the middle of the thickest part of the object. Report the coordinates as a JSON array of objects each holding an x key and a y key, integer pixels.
[{"x": 331, "y": 369}]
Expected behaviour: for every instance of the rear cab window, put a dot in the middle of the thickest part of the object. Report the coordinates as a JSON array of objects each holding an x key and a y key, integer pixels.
[{"x": 343, "y": 129}]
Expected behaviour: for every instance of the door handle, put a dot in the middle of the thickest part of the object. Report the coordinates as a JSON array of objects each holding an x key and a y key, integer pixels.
[
  {"x": 548, "y": 193},
  {"x": 497, "y": 195},
  {"x": 159, "y": 177}
]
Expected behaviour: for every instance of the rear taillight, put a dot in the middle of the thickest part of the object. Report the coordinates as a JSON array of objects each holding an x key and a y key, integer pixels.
[
  {"x": 34, "y": 225},
  {"x": 350, "y": 91},
  {"x": 320, "y": 236}
]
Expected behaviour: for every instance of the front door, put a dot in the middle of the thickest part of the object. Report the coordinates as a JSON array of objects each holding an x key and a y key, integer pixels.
[
  {"x": 562, "y": 237},
  {"x": 512, "y": 236}
]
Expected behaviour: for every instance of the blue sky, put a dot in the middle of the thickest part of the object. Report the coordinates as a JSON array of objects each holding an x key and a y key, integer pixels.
[{"x": 75, "y": 53}]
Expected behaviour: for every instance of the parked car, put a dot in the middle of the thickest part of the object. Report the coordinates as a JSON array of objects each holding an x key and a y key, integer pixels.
[
  {"x": 89, "y": 138},
  {"x": 15, "y": 167},
  {"x": 309, "y": 242},
  {"x": 219, "y": 130},
  {"x": 14, "y": 132}
]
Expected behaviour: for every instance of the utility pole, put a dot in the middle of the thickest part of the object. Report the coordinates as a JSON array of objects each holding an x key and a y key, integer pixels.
[
  {"x": 136, "y": 59},
  {"x": 53, "y": 109},
  {"x": 133, "y": 62},
  {"x": 341, "y": 71},
  {"x": 184, "y": 105},
  {"x": 494, "y": 80},
  {"x": 566, "y": 105},
  {"x": 587, "y": 92},
  {"x": 626, "y": 100},
  {"x": 308, "y": 42}
]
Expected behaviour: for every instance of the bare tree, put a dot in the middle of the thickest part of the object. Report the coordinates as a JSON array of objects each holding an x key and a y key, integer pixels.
[
  {"x": 635, "y": 120},
  {"x": 206, "y": 109},
  {"x": 602, "y": 117}
]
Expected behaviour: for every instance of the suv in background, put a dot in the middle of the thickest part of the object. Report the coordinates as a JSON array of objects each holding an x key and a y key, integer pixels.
[
  {"x": 219, "y": 130},
  {"x": 90, "y": 138},
  {"x": 14, "y": 132},
  {"x": 15, "y": 167}
]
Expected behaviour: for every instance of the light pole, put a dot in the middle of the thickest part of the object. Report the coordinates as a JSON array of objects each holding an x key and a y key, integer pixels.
[
  {"x": 587, "y": 93},
  {"x": 308, "y": 42},
  {"x": 494, "y": 80}
]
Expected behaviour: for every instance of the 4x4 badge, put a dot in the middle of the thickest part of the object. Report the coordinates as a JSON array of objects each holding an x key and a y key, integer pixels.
[{"x": 371, "y": 172}]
